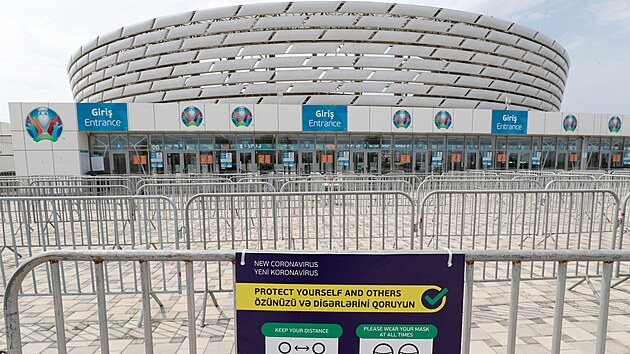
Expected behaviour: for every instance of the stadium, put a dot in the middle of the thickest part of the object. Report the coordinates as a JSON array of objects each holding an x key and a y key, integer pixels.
[{"x": 304, "y": 87}]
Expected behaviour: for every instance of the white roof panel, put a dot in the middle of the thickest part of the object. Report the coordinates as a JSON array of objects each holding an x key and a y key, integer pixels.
[
  {"x": 414, "y": 10},
  {"x": 298, "y": 75},
  {"x": 119, "y": 45},
  {"x": 331, "y": 100},
  {"x": 464, "y": 68},
  {"x": 214, "y": 13},
  {"x": 423, "y": 25},
  {"x": 195, "y": 68},
  {"x": 483, "y": 94},
  {"x": 314, "y": 48},
  {"x": 221, "y": 91},
  {"x": 188, "y": 30},
  {"x": 281, "y": 62},
  {"x": 500, "y": 85},
  {"x": 528, "y": 45},
  {"x": 327, "y": 21},
  {"x": 177, "y": 58},
  {"x": 460, "y": 103},
  {"x": 182, "y": 94},
  {"x": 168, "y": 84},
  {"x": 143, "y": 64},
  {"x": 379, "y": 62},
  {"x": 510, "y": 51},
  {"x": 263, "y": 8},
  {"x": 279, "y": 22},
  {"x": 205, "y": 80},
  {"x": 365, "y": 7},
  {"x": 231, "y": 25},
  {"x": 131, "y": 54},
  {"x": 155, "y": 73},
  {"x": 137, "y": 28},
  {"x": 381, "y": 22},
  {"x": 228, "y": 65},
  {"x": 164, "y": 47},
  {"x": 314, "y": 6},
  {"x": 250, "y": 76},
  {"x": 488, "y": 59},
  {"x": 456, "y": 15},
  {"x": 494, "y": 22},
  {"x": 149, "y": 97},
  {"x": 522, "y": 31},
  {"x": 333, "y": 61},
  {"x": 454, "y": 54},
  {"x": 436, "y": 39},
  {"x": 408, "y": 50},
  {"x": 470, "y": 81},
  {"x": 108, "y": 95},
  {"x": 390, "y": 75},
  {"x": 414, "y": 88},
  {"x": 347, "y": 35},
  {"x": 377, "y": 100},
  {"x": 110, "y": 36},
  {"x": 339, "y": 74},
  {"x": 172, "y": 20},
  {"x": 97, "y": 53},
  {"x": 421, "y": 101},
  {"x": 265, "y": 49},
  {"x": 297, "y": 35},
  {"x": 396, "y": 36},
  {"x": 201, "y": 42},
  {"x": 126, "y": 79},
  {"x": 265, "y": 88},
  {"x": 424, "y": 64},
  {"x": 314, "y": 87},
  {"x": 137, "y": 88},
  {"x": 437, "y": 78},
  {"x": 481, "y": 46},
  {"x": 468, "y": 30},
  {"x": 502, "y": 37},
  {"x": 364, "y": 48},
  {"x": 497, "y": 73},
  {"x": 360, "y": 87},
  {"x": 218, "y": 53},
  {"x": 247, "y": 37}
]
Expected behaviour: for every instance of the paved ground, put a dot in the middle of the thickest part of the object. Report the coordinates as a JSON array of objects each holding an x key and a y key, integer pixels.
[{"x": 489, "y": 333}]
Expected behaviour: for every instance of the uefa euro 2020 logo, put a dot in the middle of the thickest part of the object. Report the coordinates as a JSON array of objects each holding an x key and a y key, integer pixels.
[
  {"x": 242, "y": 116},
  {"x": 402, "y": 119},
  {"x": 192, "y": 116},
  {"x": 44, "y": 124},
  {"x": 569, "y": 123},
  {"x": 443, "y": 120},
  {"x": 614, "y": 124}
]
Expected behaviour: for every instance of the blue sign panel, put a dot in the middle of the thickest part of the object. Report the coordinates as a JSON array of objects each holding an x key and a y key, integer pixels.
[
  {"x": 509, "y": 122},
  {"x": 98, "y": 117},
  {"x": 313, "y": 303},
  {"x": 324, "y": 118}
]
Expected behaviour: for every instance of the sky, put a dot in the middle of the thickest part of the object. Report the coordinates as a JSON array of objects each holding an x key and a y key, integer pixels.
[{"x": 38, "y": 37}]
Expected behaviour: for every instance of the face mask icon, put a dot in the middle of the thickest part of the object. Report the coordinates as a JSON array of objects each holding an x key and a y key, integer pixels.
[
  {"x": 383, "y": 348},
  {"x": 408, "y": 349}
]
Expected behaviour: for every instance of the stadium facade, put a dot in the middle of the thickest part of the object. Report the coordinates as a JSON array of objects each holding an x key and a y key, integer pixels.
[{"x": 316, "y": 87}]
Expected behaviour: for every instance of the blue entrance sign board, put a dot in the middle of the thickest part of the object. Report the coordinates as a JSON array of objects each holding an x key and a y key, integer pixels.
[
  {"x": 509, "y": 122},
  {"x": 97, "y": 117},
  {"x": 324, "y": 118},
  {"x": 348, "y": 303}
]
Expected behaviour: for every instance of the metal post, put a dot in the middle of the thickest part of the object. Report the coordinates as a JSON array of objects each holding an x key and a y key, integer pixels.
[
  {"x": 58, "y": 305},
  {"x": 558, "y": 315},
  {"x": 468, "y": 297},
  {"x": 516, "y": 282},
  {"x": 190, "y": 297},
  {"x": 146, "y": 306},
  {"x": 604, "y": 302},
  {"x": 102, "y": 307}
]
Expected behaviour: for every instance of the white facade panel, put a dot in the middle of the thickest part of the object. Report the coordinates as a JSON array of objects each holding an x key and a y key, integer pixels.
[
  {"x": 553, "y": 123},
  {"x": 217, "y": 117},
  {"x": 358, "y": 119},
  {"x": 67, "y": 162},
  {"x": 422, "y": 120},
  {"x": 68, "y": 140},
  {"x": 464, "y": 121},
  {"x": 380, "y": 120},
  {"x": 266, "y": 118},
  {"x": 482, "y": 121},
  {"x": 290, "y": 119},
  {"x": 20, "y": 162},
  {"x": 167, "y": 117},
  {"x": 16, "y": 117},
  {"x": 536, "y": 123},
  {"x": 41, "y": 163}
]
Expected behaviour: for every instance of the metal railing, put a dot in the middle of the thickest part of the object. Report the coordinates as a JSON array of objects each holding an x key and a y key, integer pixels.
[
  {"x": 142, "y": 259},
  {"x": 520, "y": 220}
]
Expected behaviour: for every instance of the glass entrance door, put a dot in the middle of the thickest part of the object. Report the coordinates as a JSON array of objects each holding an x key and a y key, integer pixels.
[
  {"x": 307, "y": 163},
  {"x": 119, "y": 163},
  {"x": 174, "y": 162},
  {"x": 373, "y": 163},
  {"x": 246, "y": 162},
  {"x": 358, "y": 162},
  {"x": 472, "y": 160},
  {"x": 191, "y": 162},
  {"x": 420, "y": 164}
]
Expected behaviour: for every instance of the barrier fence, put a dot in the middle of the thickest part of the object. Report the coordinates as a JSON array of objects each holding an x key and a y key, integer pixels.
[
  {"x": 32, "y": 225},
  {"x": 520, "y": 220},
  {"x": 100, "y": 260}
]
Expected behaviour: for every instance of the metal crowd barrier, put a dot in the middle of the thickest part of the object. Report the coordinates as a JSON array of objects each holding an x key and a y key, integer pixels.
[
  {"x": 181, "y": 179},
  {"x": 348, "y": 185},
  {"x": 99, "y": 260},
  {"x": 376, "y": 220},
  {"x": 32, "y": 225},
  {"x": 520, "y": 220},
  {"x": 74, "y": 181},
  {"x": 43, "y": 191},
  {"x": 430, "y": 185}
]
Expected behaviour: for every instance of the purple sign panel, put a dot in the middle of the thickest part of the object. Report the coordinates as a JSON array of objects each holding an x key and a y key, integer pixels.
[{"x": 348, "y": 303}]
